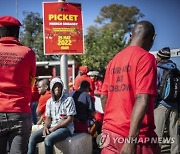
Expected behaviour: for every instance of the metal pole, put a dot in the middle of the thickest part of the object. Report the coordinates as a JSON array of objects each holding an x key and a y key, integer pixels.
[
  {"x": 64, "y": 67},
  {"x": 73, "y": 71},
  {"x": 17, "y": 9},
  {"x": 64, "y": 72}
]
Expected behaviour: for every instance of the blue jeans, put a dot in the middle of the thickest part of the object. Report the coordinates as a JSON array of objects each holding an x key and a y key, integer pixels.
[
  {"x": 15, "y": 129},
  {"x": 33, "y": 109},
  {"x": 56, "y": 136}
]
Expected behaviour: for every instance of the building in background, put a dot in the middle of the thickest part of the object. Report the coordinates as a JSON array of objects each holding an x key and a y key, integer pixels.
[{"x": 49, "y": 69}]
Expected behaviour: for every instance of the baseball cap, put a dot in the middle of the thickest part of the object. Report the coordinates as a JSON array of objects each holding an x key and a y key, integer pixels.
[
  {"x": 164, "y": 53},
  {"x": 93, "y": 73},
  {"x": 9, "y": 21},
  {"x": 83, "y": 69}
]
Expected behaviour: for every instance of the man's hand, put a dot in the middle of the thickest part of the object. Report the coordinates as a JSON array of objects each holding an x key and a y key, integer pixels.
[
  {"x": 128, "y": 148},
  {"x": 52, "y": 129},
  {"x": 45, "y": 131},
  {"x": 46, "y": 126},
  {"x": 40, "y": 121},
  {"x": 138, "y": 112}
]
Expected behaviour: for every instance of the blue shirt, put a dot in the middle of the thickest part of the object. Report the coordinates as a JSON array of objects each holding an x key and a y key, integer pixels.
[{"x": 84, "y": 105}]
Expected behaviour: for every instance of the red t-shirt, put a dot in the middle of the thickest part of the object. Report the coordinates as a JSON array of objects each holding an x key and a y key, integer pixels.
[
  {"x": 131, "y": 72},
  {"x": 17, "y": 67},
  {"x": 42, "y": 103},
  {"x": 78, "y": 81},
  {"x": 97, "y": 86}
]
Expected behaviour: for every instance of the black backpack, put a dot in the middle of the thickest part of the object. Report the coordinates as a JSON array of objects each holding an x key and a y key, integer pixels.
[{"x": 169, "y": 87}]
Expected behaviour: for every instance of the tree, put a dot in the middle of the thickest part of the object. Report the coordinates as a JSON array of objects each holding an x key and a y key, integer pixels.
[
  {"x": 118, "y": 17},
  {"x": 32, "y": 34},
  {"x": 104, "y": 41},
  {"x": 101, "y": 46}
]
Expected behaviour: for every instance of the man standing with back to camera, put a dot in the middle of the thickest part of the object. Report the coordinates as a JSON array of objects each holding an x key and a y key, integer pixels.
[
  {"x": 166, "y": 112},
  {"x": 17, "y": 72},
  {"x": 128, "y": 95}
]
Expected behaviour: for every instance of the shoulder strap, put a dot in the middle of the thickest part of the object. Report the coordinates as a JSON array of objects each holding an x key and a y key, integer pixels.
[
  {"x": 163, "y": 67},
  {"x": 159, "y": 65}
]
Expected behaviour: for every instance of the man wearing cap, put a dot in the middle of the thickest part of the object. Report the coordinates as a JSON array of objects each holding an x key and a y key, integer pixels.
[
  {"x": 83, "y": 70},
  {"x": 17, "y": 72},
  {"x": 166, "y": 111},
  {"x": 94, "y": 75}
]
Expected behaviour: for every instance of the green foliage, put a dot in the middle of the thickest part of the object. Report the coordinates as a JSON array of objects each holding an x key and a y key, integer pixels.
[
  {"x": 32, "y": 34},
  {"x": 103, "y": 42},
  {"x": 101, "y": 46},
  {"x": 119, "y": 17}
]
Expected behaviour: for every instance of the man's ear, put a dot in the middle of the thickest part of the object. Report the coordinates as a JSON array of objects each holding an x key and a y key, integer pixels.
[{"x": 46, "y": 87}]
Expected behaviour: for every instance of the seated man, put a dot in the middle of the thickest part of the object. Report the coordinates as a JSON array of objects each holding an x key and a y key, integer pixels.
[
  {"x": 84, "y": 107},
  {"x": 43, "y": 90},
  {"x": 60, "y": 111}
]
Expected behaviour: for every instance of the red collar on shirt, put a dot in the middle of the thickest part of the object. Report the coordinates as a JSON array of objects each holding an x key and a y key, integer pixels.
[{"x": 9, "y": 40}]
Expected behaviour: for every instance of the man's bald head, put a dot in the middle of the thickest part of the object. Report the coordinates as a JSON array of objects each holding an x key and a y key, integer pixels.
[
  {"x": 143, "y": 35},
  {"x": 45, "y": 82},
  {"x": 43, "y": 86}
]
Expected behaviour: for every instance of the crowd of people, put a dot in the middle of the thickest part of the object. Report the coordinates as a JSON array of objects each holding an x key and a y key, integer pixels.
[{"x": 43, "y": 111}]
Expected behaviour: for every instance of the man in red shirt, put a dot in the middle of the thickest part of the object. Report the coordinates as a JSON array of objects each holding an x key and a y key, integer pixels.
[
  {"x": 45, "y": 94},
  {"x": 128, "y": 93},
  {"x": 94, "y": 75},
  {"x": 17, "y": 72},
  {"x": 83, "y": 70},
  {"x": 44, "y": 91}
]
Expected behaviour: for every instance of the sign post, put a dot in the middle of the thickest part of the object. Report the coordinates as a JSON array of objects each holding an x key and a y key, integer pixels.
[
  {"x": 64, "y": 66},
  {"x": 63, "y": 32},
  {"x": 64, "y": 71}
]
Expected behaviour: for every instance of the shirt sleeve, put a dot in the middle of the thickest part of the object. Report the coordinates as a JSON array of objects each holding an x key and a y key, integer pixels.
[
  {"x": 104, "y": 89},
  {"x": 146, "y": 78},
  {"x": 48, "y": 108},
  {"x": 91, "y": 104},
  {"x": 70, "y": 106}
]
